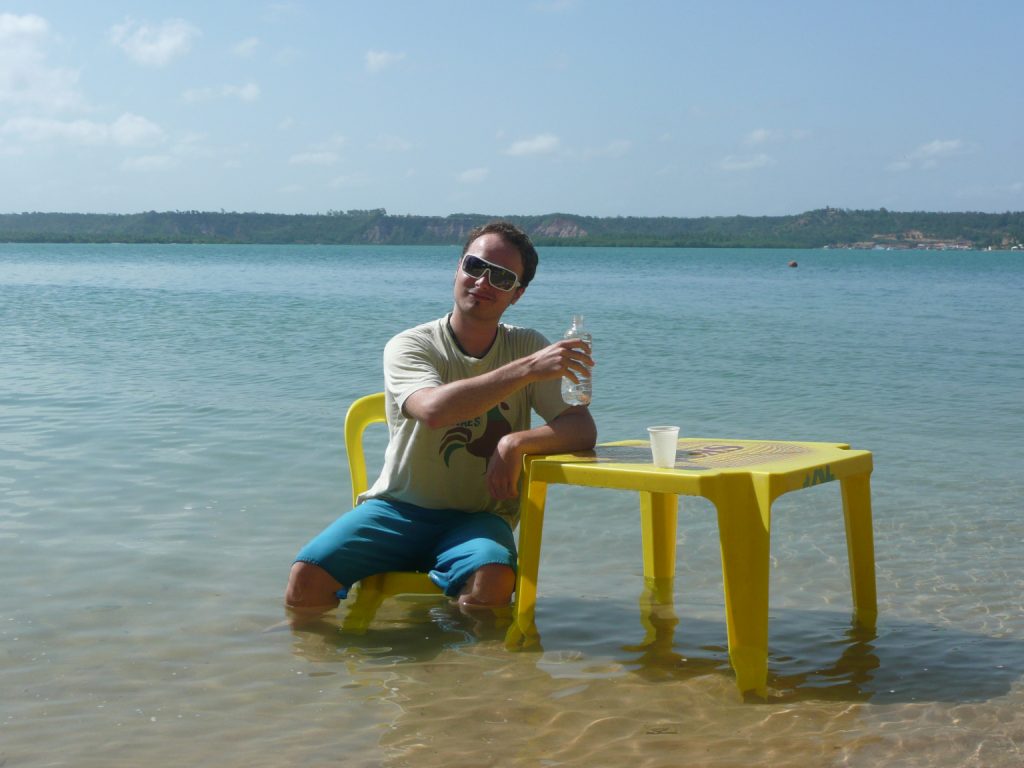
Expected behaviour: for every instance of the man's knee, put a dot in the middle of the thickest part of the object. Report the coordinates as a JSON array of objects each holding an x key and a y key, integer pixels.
[{"x": 310, "y": 586}]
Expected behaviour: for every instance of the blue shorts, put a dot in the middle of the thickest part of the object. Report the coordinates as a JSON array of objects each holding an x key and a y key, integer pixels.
[{"x": 383, "y": 535}]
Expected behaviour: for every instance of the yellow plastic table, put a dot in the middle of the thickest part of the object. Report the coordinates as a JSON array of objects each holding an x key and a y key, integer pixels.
[{"x": 741, "y": 478}]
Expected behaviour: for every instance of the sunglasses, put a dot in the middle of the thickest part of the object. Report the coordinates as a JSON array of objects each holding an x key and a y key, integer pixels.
[{"x": 499, "y": 277}]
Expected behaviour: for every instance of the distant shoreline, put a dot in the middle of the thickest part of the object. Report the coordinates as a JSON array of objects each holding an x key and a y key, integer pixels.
[{"x": 832, "y": 228}]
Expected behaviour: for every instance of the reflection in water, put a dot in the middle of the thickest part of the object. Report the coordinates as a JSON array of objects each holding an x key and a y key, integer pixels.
[
  {"x": 849, "y": 678},
  {"x": 816, "y": 655},
  {"x": 407, "y": 629},
  {"x": 620, "y": 680},
  {"x": 813, "y": 655},
  {"x": 658, "y": 660}
]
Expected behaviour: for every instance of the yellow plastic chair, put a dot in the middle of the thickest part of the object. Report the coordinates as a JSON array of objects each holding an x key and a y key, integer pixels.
[{"x": 371, "y": 591}]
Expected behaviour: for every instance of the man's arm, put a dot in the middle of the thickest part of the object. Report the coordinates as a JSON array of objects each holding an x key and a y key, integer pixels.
[
  {"x": 572, "y": 430},
  {"x": 457, "y": 401}
]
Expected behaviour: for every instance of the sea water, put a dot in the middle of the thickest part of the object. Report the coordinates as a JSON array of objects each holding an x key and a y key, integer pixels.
[{"x": 171, "y": 434}]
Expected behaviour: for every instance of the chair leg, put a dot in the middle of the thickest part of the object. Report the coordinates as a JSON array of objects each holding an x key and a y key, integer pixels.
[
  {"x": 369, "y": 596},
  {"x": 860, "y": 547}
]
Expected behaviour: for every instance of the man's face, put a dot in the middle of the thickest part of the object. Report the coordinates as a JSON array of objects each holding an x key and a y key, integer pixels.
[{"x": 475, "y": 296}]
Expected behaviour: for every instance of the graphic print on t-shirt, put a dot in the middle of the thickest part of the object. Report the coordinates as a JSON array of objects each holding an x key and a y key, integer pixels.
[{"x": 495, "y": 425}]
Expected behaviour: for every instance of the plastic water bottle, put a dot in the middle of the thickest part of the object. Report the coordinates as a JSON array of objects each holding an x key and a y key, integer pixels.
[{"x": 581, "y": 393}]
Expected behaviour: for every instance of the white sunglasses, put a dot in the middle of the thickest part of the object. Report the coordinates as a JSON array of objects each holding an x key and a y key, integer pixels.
[{"x": 499, "y": 277}]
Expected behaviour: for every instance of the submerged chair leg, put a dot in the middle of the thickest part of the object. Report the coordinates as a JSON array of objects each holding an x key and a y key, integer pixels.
[
  {"x": 371, "y": 591},
  {"x": 860, "y": 547},
  {"x": 369, "y": 595}
]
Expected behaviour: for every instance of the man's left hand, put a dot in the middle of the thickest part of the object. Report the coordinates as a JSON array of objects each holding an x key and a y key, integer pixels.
[{"x": 504, "y": 468}]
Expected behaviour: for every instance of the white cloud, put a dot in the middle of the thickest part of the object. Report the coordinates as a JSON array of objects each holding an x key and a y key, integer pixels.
[
  {"x": 761, "y": 136},
  {"x": 45, "y": 129},
  {"x": 195, "y": 144},
  {"x": 148, "y": 163},
  {"x": 25, "y": 77},
  {"x": 154, "y": 46},
  {"x": 127, "y": 131},
  {"x": 474, "y": 175},
  {"x": 554, "y": 6},
  {"x": 247, "y": 92},
  {"x": 133, "y": 131},
  {"x": 378, "y": 61},
  {"x": 757, "y": 136},
  {"x": 391, "y": 144},
  {"x": 314, "y": 158},
  {"x": 939, "y": 148},
  {"x": 246, "y": 48},
  {"x": 323, "y": 154},
  {"x": 928, "y": 155},
  {"x": 538, "y": 145},
  {"x": 990, "y": 191},
  {"x": 13, "y": 26},
  {"x": 616, "y": 148},
  {"x": 349, "y": 180},
  {"x": 746, "y": 162}
]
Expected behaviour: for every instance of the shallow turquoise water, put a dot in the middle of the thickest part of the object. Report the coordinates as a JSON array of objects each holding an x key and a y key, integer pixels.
[{"x": 171, "y": 420}]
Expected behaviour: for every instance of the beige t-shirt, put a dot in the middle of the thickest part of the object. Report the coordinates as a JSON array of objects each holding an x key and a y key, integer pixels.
[{"x": 446, "y": 468}]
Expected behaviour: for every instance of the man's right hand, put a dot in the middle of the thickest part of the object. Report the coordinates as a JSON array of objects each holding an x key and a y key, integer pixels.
[
  {"x": 568, "y": 357},
  {"x": 457, "y": 401}
]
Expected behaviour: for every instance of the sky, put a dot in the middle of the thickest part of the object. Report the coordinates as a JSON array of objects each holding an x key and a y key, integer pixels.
[{"x": 591, "y": 107}]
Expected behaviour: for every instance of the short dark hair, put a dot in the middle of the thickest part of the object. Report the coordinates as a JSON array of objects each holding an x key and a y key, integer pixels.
[{"x": 515, "y": 237}]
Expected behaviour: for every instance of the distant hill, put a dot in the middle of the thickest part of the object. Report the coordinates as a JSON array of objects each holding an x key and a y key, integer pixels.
[{"x": 826, "y": 227}]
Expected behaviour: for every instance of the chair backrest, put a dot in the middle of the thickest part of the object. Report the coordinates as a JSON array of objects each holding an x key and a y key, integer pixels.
[{"x": 361, "y": 414}]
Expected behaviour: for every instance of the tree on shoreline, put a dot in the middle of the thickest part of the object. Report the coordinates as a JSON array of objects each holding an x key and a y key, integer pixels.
[{"x": 825, "y": 227}]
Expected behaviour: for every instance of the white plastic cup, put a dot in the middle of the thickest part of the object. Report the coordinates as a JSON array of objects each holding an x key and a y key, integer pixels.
[{"x": 664, "y": 441}]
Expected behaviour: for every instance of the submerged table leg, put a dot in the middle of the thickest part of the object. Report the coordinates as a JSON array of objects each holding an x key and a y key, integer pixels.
[
  {"x": 860, "y": 546},
  {"x": 659, "y": 513},
  {"x": 523, "y": 632},
  {"x": 657, "y": 612},
  {"x": 744, "y": 524}
]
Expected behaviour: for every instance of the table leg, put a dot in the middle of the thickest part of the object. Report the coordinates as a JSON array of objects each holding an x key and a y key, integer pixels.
[
  {"x": 744, "y": 526},
  {"x": 523, "y": 632},
  {"x": 659, "y": 620},
  {"x": 657, "y": 612},
  {"x": 860, "y": 547},
  {"x": 659, "y": 513}
]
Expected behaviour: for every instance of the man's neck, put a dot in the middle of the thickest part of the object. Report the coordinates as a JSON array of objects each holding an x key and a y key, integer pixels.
[{"x": 474, "y": 337}]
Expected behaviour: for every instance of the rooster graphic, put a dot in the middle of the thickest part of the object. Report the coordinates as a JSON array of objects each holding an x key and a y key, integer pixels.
[{"x": 496, "y": 426}]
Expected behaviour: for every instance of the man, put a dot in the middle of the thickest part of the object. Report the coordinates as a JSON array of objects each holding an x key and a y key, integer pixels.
[{"x": 458, "y": 394}]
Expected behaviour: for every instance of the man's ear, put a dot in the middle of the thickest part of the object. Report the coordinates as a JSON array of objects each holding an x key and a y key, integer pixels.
[{"x": 519, "y": 292}]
